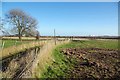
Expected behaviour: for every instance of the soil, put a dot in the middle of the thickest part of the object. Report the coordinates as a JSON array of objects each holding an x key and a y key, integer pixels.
[{"x": 94, "y": 62}]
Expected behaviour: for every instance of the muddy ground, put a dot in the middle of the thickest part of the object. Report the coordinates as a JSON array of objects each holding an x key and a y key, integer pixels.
[{"x": 94, "y": 62}]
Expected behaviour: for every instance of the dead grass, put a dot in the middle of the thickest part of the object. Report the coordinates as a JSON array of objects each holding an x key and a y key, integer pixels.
[
  {"x": 14, "y": 49},
  {"x": 18, "y": 38},
  {"x": 45, "y": 57},
  {"x": 20, "y": 63},
  {"x": 26, "y": 38}
]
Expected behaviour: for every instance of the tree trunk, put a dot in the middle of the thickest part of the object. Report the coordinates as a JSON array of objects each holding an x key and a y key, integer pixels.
[{"x": 19, "y": 37}]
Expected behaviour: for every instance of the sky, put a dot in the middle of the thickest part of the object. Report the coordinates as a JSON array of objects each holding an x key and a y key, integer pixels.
[
  {"x": 70, "y": 18},
  {"x": 60, "y": 0}
]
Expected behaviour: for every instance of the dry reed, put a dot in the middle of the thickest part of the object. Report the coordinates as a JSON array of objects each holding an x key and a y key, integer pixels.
[{"x": 14, "y": 49}]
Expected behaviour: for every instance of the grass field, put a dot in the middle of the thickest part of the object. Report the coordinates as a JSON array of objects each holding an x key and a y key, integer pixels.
[
  {"x": 62, "y": 64},
  {"x": 110, "y": 44},
  {"x": 52, "y": 62},
  {"x": 12, "y": 47},
  {"x": 8, "y": 43}
]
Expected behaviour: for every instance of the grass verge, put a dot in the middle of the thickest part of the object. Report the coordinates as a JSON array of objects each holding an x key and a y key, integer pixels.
[
  {"x": 45, "y": 58},
  {"x": 62, "y": 63}
]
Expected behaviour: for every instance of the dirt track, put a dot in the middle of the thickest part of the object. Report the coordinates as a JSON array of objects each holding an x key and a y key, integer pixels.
[{"x": 94, "y": 62}]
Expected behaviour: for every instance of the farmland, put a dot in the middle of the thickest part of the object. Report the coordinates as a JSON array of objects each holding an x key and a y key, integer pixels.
[
  {"x": 9, "y": 43},
  {"x": 85, "y": 59},
  {"x": 21, "y": 54},
  {"x": 66, "y": 59},
  {"x": 12, "y": 45},
  {"x": 56, "y": 40}
]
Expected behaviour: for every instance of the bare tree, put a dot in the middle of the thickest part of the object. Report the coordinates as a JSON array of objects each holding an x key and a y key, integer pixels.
[
  {"x": 34, "y": 32},
  {"x": 21, "y": 22},
  {"x": 37, "y": 35},
  {"x": 1, "y": 24},
  {"x": 3, "y": 31}
]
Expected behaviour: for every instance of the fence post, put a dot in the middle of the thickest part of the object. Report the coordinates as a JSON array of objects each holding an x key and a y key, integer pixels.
[
  {"x": 54, "y": 36},
  {"x": 15, "y": 43},
  {"x": 3, "y": 45}
]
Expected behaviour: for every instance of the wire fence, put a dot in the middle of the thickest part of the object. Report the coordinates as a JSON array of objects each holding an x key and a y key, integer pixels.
[{"x": 47, "y": 46}]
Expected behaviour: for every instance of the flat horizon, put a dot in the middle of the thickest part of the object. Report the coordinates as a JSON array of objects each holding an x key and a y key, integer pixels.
[{"x": 70, "y": 18}]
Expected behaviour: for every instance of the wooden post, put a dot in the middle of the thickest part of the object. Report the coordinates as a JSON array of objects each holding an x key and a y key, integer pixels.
[
  {"x": 3, "y": 45},
  {"x": 55, "y": 36}
]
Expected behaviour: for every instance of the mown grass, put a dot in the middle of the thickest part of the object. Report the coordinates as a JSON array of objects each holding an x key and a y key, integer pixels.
[{"x": 62, "y": 64}]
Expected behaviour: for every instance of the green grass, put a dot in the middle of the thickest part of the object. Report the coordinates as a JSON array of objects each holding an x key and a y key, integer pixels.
[
  {"x": 62, "y": 64},
  {"x": 109, "y": 44},
  {"x": 59, "y": 66},
  {"x": 9, "y": 43}
]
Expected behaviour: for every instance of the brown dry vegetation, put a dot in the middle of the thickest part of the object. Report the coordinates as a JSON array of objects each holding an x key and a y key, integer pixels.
[
  {"x": 45, "y": 58},
  {"x": 25, "y": 38},
  {"x": 22, "y": 62},
  {"x": 14, "y": 49},
  {"x": 42, "y": 59},
  {"x": 18, "y": 38}
]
